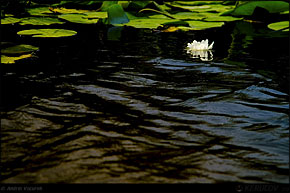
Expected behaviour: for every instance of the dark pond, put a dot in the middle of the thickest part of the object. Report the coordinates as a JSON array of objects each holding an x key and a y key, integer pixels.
[{"x": 139, "y": 109}]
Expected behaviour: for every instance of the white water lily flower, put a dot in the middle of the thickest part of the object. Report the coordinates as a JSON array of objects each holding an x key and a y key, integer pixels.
[{"x": 203, "y": 45}]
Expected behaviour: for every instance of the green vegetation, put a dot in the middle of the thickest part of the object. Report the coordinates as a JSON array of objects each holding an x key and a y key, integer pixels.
[{"x": 167, "y": 16}]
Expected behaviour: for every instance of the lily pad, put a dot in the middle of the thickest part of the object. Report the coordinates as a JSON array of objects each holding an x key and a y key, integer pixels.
[
  {"x": 188, "y": 16},
  {"x": 63, "y": 10},
  {"x": 47, "y": 33},
  {"x": 39, "y": 11},
  {"x": 10, "y": 20},
  {"x": 95, "y": 15},
  {"x": 11, "y": 60},
  {"x": 248, "y": 8},
  {"x": 214, "y": 9},
  {"x": 203, "y": 8},
  {"x": 279, "y": 25},
  {"x": 78, "y": 18},
  {"x": 148, "y": 23},
  {"x": 19, "y": 49},
  {"x": 116, "y": 14},
  {"x": 40, "y": 21},
  {"x": 199, "y": 25},
  {"x": 197, "y": 2},
  {"x": 217, "y": 17}
]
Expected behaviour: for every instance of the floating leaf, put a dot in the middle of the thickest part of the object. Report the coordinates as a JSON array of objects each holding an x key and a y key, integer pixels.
[
  {"x": 214, "y": 9},
  {"x": 217, "y": 17},
  {"x": 63, "y": 10},
  {"x": 171, "y": 29},
  {"x": 8, "y": 15},
  {"x": 116, "y": 14},
  {"x": 94, "y": 15},
  {"x": 156, "y": 11},
  {"x": 39, "y": 11},
  {"x": 106, "y": 4},
  {"x": 176, "y": 23},
  {"x": 19, "y": 49},
  {"x": 248, "y": 8},
  {"x": 40, "y": 21},
  {"x": 199, "y": 25},
  {"x": 188, "y": 15},
  {"x": 137, "y": 5},
  {"x": 78, "y": 18},
  {"x": 47, "y": 33},
  {"x": 197, "y": 2},
  {"x": 148, "y": 23},
  {"x": 203, "y": 8},
  {"x": 11, "y": 60},
  {"x": 282, "y": 25},
  {"x": 10, "y": 20}
]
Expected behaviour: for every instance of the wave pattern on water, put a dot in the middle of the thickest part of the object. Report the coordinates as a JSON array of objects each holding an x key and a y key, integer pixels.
[{"x": 157, "y": 120}]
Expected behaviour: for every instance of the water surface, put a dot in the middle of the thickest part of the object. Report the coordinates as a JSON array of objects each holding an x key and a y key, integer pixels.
[{"x": 140, "y": 110}]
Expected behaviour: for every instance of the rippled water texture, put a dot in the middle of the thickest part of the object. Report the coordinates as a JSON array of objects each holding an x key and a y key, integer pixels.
[{"x": 141, "y": 110}]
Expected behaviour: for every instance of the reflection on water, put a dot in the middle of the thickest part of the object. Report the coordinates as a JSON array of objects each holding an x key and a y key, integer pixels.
[
  {"x": 146, "y": 115},
  {"x": 204, "y": 55}
]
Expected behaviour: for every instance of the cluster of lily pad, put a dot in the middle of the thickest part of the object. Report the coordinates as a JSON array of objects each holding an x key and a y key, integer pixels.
[{"x": 169, "y": 16}]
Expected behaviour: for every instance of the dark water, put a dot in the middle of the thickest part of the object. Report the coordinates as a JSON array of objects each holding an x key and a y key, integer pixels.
[{"x": 140, "y": 110}]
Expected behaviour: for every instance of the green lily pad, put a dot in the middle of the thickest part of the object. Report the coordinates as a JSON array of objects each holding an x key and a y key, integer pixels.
[
  {"x": 199, "y": 25},
  {"x": 78, "y": 18},
  {"x": 176, "y": 23},
  {"x": 40, "y": 21},
  {"x": 248, "y": 8},
  {"x": 11, "y": 60},
  {"x": 203, "y": 8},
  {"x": 188, "y": 16},
  {"x": 157, "y": 16},
  {"x": 116, "y": 15},
  {"x": 95, "y": 15},
  {"x": 279, "y": 25},
  {"x": 19, "y": 49},
  {"x": 106, "y": 4},
  {"x": 137, "y": 5},
  {"x": 63, "y": 10},
  {"x": 217, "y": 17},
  {"x": 214, "y": 9},
  {"x": 197, "y": 2},
  {"x": 10, "y": 20},
  {"x": 39, "y": 11},
  {"x": 47, "y": 33},
  {"x": 148, "y": 23}
]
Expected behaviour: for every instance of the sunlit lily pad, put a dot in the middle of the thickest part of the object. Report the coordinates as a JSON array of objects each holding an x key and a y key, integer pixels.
[
  {"x": 78, "y": 18},
  {"x": 94, "y": 15},
  {"x": 279, "y": 25},
  {"x": 157, "y": 16},
  {"x": 65, "y": 10},
  {"x": 11, "y": 60},
  {"x": 19, "y": 49},
  {"x": 148, "y": 23},
  {"x": 40, "y": 21},
  {"x": 199, "y": 25},
  {"x": 188, "y": 16},
  {"x": 214, "y": 8},
  {"x": 217, "y": 8},
  {"x": 10, "y": 20},
  {"x": 48, "y": 33},
  {"x": 197, "y": 2},
  {"x": 217, "y": 17},
  {"x": 39, "y": 11}
]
